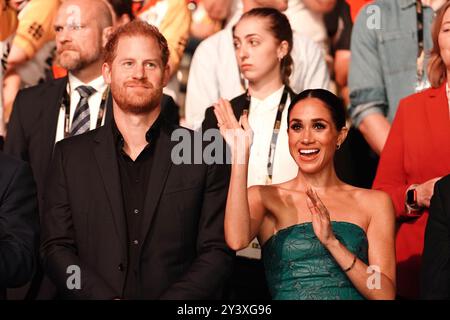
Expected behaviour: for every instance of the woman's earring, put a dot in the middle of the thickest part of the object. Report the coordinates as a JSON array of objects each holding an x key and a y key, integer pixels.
[{"x": 338, "y": 146}]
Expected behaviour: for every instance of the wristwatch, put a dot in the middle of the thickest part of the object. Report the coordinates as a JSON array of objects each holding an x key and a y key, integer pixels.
[{"x": 411, "y": 199}]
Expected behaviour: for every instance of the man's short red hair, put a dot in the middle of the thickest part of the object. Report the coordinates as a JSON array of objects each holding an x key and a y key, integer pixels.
[{"x": 132, "y": 29}]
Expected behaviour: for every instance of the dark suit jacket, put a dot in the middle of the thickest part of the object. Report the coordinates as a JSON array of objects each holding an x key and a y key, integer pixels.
[
  {"x": 436, "y": 255},
  {"x": 32, "y": 127},
  {"x": 183, "y": 254},
  {"x": 19, "y": 223}
]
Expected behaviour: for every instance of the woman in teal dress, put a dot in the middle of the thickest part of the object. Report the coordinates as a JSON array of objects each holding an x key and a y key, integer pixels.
[{"x": 321, "y": 238}]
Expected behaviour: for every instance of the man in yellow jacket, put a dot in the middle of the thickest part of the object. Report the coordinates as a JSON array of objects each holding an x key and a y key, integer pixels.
[{"x": 28, "y": 50}]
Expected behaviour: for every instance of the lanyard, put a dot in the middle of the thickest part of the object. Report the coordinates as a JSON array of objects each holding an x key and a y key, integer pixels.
[
  {"x": 420, "y": 47},
  {"x": 65, "y": 103},
  {"x": 276, "y": 130}
]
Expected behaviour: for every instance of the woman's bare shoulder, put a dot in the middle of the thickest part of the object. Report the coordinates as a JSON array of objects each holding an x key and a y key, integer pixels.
[
  {"x": 261, "y": 192},
  {"x": 372, "y": 201},
  {"x": 273, "y": 195},
  {"x": 374, "y": 196},
  {"x": 270, "y": 189}
]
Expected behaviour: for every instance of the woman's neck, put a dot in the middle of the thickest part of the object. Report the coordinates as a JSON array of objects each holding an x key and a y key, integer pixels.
[
  {"x": 322, "y": 181},
  {"x": 263, "y": 89}
]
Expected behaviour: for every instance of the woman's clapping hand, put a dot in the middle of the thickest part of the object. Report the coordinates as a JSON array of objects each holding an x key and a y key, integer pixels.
[{"x": 320, "y": 218}]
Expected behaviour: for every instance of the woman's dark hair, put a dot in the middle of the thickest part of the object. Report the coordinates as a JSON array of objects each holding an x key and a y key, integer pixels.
[
  {"x": 333, "y": 103},
  {"x": 281, "y": 29}
]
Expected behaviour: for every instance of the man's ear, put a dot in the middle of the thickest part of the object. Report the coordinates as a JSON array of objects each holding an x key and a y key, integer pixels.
[
  {"x": 106, "y": 72},
  {"x": 106, "y": 34},
  {"x": 166, "y": 75}
]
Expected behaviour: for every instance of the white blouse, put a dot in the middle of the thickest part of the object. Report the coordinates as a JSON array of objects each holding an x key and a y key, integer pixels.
[{"x": 262, "y": 118}]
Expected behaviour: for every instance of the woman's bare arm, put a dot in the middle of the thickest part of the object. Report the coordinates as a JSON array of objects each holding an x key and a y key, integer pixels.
[
  {"x": 244, "y": 211},
  {"x": 376, "y": 280}
]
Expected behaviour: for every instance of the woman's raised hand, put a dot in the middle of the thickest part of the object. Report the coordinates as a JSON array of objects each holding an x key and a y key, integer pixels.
[
  {"x": 321, "y": 221},
  {"x": 238, "y": 135}
]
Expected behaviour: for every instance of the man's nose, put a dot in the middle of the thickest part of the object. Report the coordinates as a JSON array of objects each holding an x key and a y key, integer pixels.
[
  {"x": 139, "y": 71},
  {"x": 63, "y": 35}
]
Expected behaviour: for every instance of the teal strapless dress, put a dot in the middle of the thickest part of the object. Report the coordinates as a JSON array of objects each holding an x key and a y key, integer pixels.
[{"x": 299, "y": 267}]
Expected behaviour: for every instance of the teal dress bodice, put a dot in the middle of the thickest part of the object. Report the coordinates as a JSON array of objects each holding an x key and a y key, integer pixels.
[{"x": 299, "y": 267}]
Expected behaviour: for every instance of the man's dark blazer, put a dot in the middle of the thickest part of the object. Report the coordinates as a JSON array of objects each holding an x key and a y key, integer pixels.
[
  {"x": 32, "y": 127},
  {"x": 435, "y": 282},
  {"x": 19, "y": 223},
  {"x": 31, "y": 137},
  {"x": 183, "y": 254}
]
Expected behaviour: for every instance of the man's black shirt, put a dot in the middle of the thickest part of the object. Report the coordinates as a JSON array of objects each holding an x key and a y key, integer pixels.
[{"x": 134, "y": 177}]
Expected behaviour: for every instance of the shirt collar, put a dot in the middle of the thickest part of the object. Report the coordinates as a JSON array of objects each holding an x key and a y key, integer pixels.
[
  {"x": 272, "y": 100},
  {"x": 98, "y": 83},
  {"x": 151, "y": 135}
]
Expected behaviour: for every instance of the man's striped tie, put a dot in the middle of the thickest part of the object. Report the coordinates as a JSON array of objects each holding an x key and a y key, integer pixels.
[{"x": 81, "y": 120}]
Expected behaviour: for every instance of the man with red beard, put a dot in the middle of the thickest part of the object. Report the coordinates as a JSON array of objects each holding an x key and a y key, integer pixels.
[
  {"x": 47, "y": 113},
  {"x": 121, "y": 220}
]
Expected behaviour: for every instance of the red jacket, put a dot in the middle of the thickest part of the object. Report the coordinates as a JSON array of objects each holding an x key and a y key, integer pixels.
[{"x": 417, "y": 149}]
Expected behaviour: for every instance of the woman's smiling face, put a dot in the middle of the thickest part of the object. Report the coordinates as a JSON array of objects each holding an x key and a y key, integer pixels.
[{"x": 313, "y": 135}]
